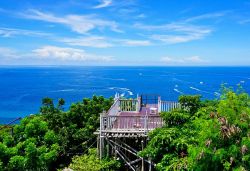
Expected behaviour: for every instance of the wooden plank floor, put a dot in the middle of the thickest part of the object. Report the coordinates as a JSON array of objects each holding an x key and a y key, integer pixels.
[{"x": 138, "y": 120}]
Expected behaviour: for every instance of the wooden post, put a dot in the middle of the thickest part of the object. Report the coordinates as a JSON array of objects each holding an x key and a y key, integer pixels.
[
  {"x": 101, "y": 138},
  {"x": 142, "y": 161},
  {"x": 138, "y": 103},
  {"x": 150, "y": 164},
  {"x": 100, "y": 141},
  {"x": 159, "y": 104},
  {"x": 107, "y": 150},
  {"x": 98, "y": 145}
]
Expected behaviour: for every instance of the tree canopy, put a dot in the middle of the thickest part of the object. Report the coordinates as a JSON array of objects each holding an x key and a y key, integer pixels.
[
  {"x": 201, "y": 135},
  {"x": 204, "y": 135},
  {"x": 50, "y": 139}
]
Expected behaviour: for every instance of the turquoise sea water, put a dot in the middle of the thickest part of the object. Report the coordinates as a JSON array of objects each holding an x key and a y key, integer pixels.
[{"x": 22, "y": 88}]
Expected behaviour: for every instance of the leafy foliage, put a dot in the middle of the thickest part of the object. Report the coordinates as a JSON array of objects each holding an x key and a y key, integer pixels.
[
  {"x": 75, "y": 127},
  {"x": 30, "y": 148},
  {"x": 190, "y": 103},
  {"x": 49, "y": 140},
  {"x": 201, "y": 135},
  {"x": 210, "y": 135},
  {"x": 91, "y": 162}
]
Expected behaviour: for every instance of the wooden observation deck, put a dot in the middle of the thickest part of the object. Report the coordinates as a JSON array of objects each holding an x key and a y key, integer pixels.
[
  {"x": 131, "y": 119},
  {"x": 134, "y": 116}
]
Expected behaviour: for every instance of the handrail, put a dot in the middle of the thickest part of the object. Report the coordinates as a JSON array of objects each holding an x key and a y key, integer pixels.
[
  {"x": 128, "y": 105},
  {"x": 166, "y": 106},
  {"x": 113, "y": 121},
  {"x": 114, "y": 109},
  {"x": 131, "y": 123}
]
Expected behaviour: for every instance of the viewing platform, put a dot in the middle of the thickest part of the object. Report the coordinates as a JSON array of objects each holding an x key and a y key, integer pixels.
[
  {"x": 124, "y": 128},
  {"x": 134, "y": 117}
]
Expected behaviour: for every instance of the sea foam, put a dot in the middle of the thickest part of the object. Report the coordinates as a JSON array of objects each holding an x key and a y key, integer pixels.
[{"x": 178, "y": 91}]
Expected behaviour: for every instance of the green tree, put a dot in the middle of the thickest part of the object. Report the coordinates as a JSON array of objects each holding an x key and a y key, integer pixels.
[
  {"x": 210, "y": 135},
  {"x": 91, "y": 162},
  {"x": 49, "y": 140},
  {"x": 76, "y": 126},
  {"x": 224, "y": 140},
  {"x": 30, "y": 148}
]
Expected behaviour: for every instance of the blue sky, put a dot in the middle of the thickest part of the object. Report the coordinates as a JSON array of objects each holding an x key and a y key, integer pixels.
[{"x": 125, "y": 32}]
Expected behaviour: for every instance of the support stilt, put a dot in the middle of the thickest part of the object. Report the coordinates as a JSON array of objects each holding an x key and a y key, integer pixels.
[
  {"x": 150, "y": 165},
  {"x": 142, "y": 161}
]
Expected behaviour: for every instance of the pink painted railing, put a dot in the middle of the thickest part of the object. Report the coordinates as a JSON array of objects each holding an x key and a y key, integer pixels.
[
  {"x": 131, "y": 123},
  {"x": 115, "y": 108}
]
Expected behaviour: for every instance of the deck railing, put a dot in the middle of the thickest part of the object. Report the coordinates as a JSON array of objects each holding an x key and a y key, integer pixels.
[
  {"x": 115, "y": 108},
  {"x": 130, "y": 123},
  {"x": 134, "y": 121},
  {"x": 166, "y": 106},
  {"x": 129, "y": 105}
]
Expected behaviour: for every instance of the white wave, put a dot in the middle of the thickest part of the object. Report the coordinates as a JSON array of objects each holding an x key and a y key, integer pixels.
[
  {"x": 178, "y": 91},
  {"x": 115, "y": 79},
  {"x": 176, "y": 85},
  {"x": 176, "y": 79},
  {"x": 124, "y": 91},
  {"x": 120, "y": 79},
  {"x": 242, "y": 81},
  {"x": 201, "y": 82},
  {"x": 119, "y": 88},
  {"x": 216, "y": 94},
  {"x": 195, "y": 88},
  {"x": 130, "y": 93},
  {"x": 64, "y": 90}
]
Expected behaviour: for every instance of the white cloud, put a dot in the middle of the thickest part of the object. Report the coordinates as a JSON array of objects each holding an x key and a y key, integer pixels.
[
  {"x": 207, "y": 16},
  {"x": 103, "y": 42},
  {"x": 67, "y": 54},
  {"x": 91, "y": 41},
  {"x": 141, "y": 16},
  {"x": 181, "y": 31},
  {"x": 244, "y": 21},
  {"x": 9, "y": 32},
  {"x": 78, "y": 23},
  {"x": 195, "y": 59},
  {"x": 103, "y": 4},
  {"x": 8, "y": 52},
  {"x": 187, "y": 60},
  {"x": 129, "y": 42},
  {"x": 173, "y": 39},
  {"x": 176, "y": 32},
  {"x": 177, "y": 27},
  {"x": 171, "y": 60}
]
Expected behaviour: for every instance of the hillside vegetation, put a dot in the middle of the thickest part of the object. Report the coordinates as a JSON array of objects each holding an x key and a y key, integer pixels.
[
  {"x": 208, "y": 135},
  {"x": 49, "y": 140},
  {"x": 202, "y": 135}
]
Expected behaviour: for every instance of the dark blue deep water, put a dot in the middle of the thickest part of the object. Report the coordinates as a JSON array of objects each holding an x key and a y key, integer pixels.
[{"x": 22, "y": 88}]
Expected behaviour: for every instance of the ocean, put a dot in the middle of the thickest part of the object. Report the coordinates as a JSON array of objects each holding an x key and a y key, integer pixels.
[{"x": 22, "y": 88}]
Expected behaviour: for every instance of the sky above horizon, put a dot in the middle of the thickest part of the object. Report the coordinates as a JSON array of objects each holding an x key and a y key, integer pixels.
[{"x": 125, "y": 32}]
